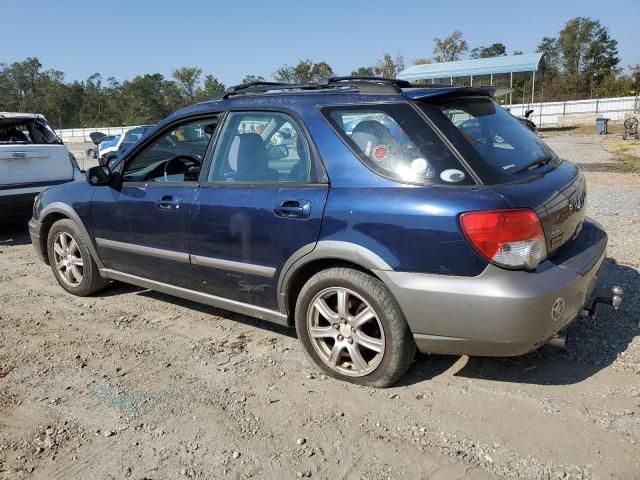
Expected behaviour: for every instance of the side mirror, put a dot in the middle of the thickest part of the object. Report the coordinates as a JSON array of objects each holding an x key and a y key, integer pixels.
[
  {"x": 98, "y": 176},
  {"x": 277, "y": 152}
]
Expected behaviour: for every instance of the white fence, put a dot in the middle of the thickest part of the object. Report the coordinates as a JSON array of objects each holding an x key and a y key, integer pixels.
[
  {"x": 81, "y": 135},
  {"x": 578, "y": 112}
]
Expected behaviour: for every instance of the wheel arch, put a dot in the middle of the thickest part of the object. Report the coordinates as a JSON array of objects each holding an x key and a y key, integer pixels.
[
  {"x": 58, "y": 211},
  {"x": 311, "y": 259}
]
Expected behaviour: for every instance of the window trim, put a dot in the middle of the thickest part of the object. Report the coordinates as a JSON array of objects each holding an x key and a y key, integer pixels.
[
  {"x": 321, "y": 177},
  {"x": 382, "y": 173}
]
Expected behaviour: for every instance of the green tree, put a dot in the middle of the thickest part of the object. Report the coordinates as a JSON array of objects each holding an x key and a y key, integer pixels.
[
  {"x": 363, "y": 72},
  {"x": 188, "y": 81},
  {"x": 305, "y": 71},
  {"x": 493, "y": 50},
  {"x": 253, "y": 78},
  {"x": 587, "y": 49},
  {"x": 451, "y": 48},
  {"x": 388, "y": 67},
  {"x": 212, "y": 86}
]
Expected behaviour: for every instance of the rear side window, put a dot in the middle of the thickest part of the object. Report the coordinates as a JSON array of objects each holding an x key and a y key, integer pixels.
[
  {"x": 396, "y": 143},
  {"x": 506, "y": 146},
  {"x": 27, "y": 131}
]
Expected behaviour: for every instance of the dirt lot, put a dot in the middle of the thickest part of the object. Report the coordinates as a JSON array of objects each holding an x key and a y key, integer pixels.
[{"x": 135, "y": 384}]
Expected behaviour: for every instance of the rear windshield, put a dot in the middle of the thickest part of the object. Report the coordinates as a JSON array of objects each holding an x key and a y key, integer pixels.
[
  {"x": 26, "y": 131},
  {"x": 396, "y": 143},
  {"x": 506, "y": 146}
]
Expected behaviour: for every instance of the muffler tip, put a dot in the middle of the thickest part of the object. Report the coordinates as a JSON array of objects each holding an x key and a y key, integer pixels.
[{"x": 559, "y": 340}]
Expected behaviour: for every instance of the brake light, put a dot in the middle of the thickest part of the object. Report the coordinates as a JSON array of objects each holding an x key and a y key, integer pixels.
[{"x": 510, "y": 238}]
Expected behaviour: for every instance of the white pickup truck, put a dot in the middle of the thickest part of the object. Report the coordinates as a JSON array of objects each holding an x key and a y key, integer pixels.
[{"x": 32, "y": 158}]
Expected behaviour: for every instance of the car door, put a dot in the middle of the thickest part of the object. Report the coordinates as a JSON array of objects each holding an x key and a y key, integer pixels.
[
  {"x": 141, "y": 227},
  {"x": 261, "y": 200}
]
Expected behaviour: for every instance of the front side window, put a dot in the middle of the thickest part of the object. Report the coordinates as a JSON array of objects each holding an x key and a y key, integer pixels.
[
  {"x": 395, "y": 142},
  {"x": 174, "y": 157},
  {"x": 261, "y": 147}
]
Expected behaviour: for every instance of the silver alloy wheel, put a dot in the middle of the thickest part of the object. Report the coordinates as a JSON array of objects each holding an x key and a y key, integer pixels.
[
  {"x": 68, "y": 259},
  {"x": 345, "y": 331}
]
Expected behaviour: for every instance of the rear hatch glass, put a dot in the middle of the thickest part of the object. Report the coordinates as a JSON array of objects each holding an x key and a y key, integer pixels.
[
  {"x": 497, "y": 145},
  {"x": 514, "y": 162}
]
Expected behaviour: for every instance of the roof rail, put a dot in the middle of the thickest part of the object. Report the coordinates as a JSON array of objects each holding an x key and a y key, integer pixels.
[
  {"x": 354, "y": 78},
  {"x": 378, "y": 85},
  {"x": 258, "y": 87}
]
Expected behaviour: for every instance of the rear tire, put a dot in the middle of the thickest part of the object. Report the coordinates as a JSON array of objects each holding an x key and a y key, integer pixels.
[
  {"x": 352, "y": 328},
  {"x": 71, "y": 261}
]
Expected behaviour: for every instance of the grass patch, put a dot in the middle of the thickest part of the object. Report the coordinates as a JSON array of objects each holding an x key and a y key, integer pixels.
[
  {"x": 628, "y": 162},
  {"x": 612, "y": 128},
  {"x": 626, "y": 153}
]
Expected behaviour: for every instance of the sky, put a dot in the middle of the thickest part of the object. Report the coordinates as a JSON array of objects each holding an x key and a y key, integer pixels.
[{"x": 125, "y": 38}]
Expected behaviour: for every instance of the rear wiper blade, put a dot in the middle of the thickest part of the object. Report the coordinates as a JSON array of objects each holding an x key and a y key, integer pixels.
[{"x": 536, "y": 163}]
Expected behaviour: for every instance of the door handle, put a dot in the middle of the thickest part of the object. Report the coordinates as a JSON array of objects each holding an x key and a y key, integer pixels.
[
  {"x": 293, "y": 209},
  {"x": 168, "y": 202}
]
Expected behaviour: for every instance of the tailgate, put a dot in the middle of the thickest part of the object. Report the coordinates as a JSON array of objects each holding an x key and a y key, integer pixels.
[
  {"x": 559, "y": 199},
  {"x": 25, "y": 163}
]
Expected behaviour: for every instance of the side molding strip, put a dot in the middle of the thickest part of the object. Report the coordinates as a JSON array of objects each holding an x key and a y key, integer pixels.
[
  {"x": 259, "y": 270},
  {"x": 200, "y": 297},
  {"x": 143, "y": 250},
  {"x": 250, "y": 268}
]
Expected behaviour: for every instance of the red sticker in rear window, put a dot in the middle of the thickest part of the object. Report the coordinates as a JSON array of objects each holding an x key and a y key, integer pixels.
[{"x": 380, "y": 152}]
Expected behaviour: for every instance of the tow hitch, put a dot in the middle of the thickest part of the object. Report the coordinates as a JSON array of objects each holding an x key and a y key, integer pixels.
[{"x": 615, "y": 301}]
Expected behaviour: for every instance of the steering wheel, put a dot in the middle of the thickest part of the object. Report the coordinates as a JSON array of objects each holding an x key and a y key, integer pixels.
[{"x": 187, "y": 161}]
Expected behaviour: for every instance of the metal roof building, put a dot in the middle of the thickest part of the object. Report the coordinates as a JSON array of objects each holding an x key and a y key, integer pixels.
[{"x": 445, "y": 72}]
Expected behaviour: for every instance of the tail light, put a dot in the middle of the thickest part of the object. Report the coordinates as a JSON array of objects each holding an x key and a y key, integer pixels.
[{"x": 509, "y": 238}]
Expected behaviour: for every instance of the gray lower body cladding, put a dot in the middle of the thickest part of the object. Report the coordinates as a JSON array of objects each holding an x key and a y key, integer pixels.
[{"x": 500, "y": 312}]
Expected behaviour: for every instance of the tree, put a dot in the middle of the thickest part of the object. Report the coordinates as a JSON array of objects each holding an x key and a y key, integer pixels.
[
  {"x": 305, "y": 71},
  {"x": 548, "y": 46},
  {"x": 450, "y": 48},
  {"x": 363, "y": 72},
  {"x": 421, "y": 61},
  {"x": 212, "y": 86},
  {"x": 253, "y": 78},
  {"x": 388, "y": 67},
  {"x": 188, "y": 80},
  {"x": 494, "y": 50},
  {"x": 587, "y": 49}
]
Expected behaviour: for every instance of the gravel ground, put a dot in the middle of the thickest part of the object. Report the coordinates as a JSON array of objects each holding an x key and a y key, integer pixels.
[{"x": 136, "y": 384}]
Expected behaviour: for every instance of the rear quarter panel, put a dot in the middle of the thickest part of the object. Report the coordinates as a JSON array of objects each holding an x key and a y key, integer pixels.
[{"x": 413, "y": 229}]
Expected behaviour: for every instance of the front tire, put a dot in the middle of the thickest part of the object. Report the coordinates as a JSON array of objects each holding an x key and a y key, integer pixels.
[
  {"x": 351, "y": 327},
  {"x": 71, "y": 261}
]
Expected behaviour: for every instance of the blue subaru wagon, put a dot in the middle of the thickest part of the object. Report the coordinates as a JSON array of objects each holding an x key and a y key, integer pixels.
[{"x": 393, "y": 218}]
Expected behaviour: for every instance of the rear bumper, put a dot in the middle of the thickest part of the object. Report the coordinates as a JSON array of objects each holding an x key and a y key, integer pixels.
[
  {"x": 16, "y": 201},
  {"x": 16, "y": 206},
  {"x": 500, "y": 312},
  {"x": 35, "y": 227}
]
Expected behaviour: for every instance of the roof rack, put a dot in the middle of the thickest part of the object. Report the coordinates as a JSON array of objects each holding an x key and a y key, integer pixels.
[
  {"x": 260, "y": 87},
  {"x": 375, "y": 80},
  {"x": 378, "y": 85}
]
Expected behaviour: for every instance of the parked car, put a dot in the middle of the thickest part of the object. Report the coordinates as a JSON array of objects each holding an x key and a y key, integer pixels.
[
  {"x": 32, "y": 158},
  {"x": 100, "y": 140},
  {"x": 467, "y": 236},
  {"x": 117, "y": 147}
]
